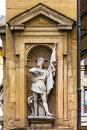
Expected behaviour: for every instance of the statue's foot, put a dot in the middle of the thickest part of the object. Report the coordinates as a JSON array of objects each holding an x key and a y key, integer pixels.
[
  {"x": 35, "y": 114},
  {"x": 32, "y": 114},
  {"x": 49, "y": 114}
]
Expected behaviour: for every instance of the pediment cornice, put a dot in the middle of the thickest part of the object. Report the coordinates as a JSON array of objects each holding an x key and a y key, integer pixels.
[{"x": 18, "y": 21}]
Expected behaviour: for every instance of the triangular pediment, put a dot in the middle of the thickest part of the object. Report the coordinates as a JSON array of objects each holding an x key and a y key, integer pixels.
[
  {"x": 40, "y": 20},
  {"x": 28, "y": 15}
]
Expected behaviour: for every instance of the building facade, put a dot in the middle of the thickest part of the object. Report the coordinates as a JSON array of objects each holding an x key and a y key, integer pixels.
[
  {"x": 1, "y": 65},
  {"x": 84, "y": 94},
  {"x": 32, "y": 29},
  {"x": 1, "y": 86},
  {"x": 16, "y": 34}
]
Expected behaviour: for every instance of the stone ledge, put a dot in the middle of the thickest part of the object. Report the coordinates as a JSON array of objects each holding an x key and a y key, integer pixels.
[
  {"x": 51, "y": 128},
  {"x": 40, "y": 121}
]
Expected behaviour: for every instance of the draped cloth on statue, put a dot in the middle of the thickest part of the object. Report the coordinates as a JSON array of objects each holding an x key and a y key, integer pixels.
[{"x": 38, "y": 80}]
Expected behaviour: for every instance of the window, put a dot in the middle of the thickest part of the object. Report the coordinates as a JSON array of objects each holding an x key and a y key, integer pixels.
[
  {"x": 85, "y": 100},
  {"x": 85, "y": 65}
]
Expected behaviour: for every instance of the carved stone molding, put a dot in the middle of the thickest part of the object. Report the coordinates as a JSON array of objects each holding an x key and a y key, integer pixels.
[{"x": 35, "y": 49}]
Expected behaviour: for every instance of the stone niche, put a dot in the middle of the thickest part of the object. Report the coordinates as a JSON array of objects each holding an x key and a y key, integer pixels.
[{"x": 32, "y": 34}]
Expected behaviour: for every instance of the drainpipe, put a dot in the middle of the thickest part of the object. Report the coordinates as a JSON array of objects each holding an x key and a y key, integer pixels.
[{"x": 78, "y": 68}]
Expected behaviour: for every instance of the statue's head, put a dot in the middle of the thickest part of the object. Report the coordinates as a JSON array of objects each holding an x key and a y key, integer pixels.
[{"x": 40, "y": 62}]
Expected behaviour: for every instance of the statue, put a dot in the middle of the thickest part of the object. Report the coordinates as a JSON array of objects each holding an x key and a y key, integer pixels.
[{"x": 42, "y": 83}]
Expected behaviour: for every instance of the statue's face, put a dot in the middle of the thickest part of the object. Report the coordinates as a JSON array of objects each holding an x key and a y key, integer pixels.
[{"x": 40, "y": 62}]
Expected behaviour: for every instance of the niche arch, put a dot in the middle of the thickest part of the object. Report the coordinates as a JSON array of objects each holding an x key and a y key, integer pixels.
[{"x": 38, "y": 51}]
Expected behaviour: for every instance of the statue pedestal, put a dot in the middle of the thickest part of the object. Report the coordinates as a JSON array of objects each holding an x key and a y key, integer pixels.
[{"x": 41, "y": 121}]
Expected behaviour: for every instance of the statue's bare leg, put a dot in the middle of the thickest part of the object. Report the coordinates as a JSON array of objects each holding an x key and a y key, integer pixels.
[
  {"x": 45, "y": 105},
  {"x": 35, "y": 103}
]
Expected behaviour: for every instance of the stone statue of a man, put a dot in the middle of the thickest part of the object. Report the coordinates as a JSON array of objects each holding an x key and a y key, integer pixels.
[{"x": 42, "y": 83}]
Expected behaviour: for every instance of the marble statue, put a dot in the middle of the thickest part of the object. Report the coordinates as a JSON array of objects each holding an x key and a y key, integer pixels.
[{"x": 42, "y": 83}]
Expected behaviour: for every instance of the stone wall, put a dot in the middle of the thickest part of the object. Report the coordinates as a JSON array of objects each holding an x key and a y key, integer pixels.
[{"x": 66, "y": 7}]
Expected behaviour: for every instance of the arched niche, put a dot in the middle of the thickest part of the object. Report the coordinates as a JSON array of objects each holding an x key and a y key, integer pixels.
[{"x": 33, "y": 53}]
